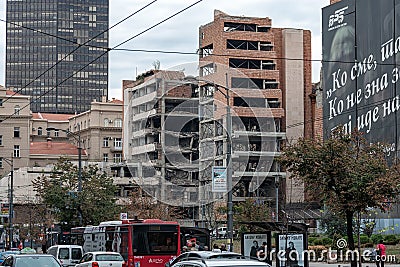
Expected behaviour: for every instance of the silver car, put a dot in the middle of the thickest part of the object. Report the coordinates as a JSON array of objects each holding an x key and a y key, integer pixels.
[
  {"x": 102, "y": 258},
  {"x": 30, "y": 260}
]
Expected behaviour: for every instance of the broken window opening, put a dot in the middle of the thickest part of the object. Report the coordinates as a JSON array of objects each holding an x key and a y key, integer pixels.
[
  {"x": 253, "y": 83},
  {"x": 206, "y": 51},
  {"x": 207, "y": 92},
  {"x": 263, "y": 28},
  {"x": 267, "y": 65},
  {"x": 266, "y": 46},
  {"x": 206, "y": 112},
  {"x": 219, "y": 128},
  {"x": 251, "y": 124},
  {"x": 249, "y": 102},
  {"x": 242, "y": 44},
  {"x": 219, "y": 148},
  {"x": 207, "y": 69},
  {"x": 244, "y": 63},
  {"x": 274, "y": 103},
  {"x": 270, "y": 84},
  {"x": 232, "y": 26},
  {"x": 206, "y": 130},
  {"x": 246, "y": 83}
]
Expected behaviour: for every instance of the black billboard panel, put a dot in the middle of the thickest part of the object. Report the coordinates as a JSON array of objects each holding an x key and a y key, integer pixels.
[{"x": 361, "y": 44}]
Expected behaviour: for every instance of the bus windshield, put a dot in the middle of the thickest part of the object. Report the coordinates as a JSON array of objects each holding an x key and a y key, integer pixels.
[{"x": 155, "y": 240}]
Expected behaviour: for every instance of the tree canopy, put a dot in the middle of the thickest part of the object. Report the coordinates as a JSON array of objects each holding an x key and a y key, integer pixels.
[
  {"x": 345, "y": 172},
  {"x": 95, "y": 203}
]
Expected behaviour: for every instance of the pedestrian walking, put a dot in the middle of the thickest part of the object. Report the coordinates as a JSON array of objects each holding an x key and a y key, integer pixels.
[{"x": 381, "y": 251}]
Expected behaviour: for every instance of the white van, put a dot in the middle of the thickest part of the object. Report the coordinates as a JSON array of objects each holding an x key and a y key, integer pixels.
[
  {"x": 67, "y": 255},
  {"x": 222, "y": 232}
]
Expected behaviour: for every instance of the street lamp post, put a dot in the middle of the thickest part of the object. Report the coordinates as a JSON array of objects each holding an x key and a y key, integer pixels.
[
  {"x": 229, "y": 169},
  {"x": 277, "y": 181},
  {"x": 78, "y": 139},
  {"x": 10, "y": 208}
]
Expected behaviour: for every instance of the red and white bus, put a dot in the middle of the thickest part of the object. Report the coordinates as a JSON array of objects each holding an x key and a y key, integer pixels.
[{"x": 142, "y": 243}]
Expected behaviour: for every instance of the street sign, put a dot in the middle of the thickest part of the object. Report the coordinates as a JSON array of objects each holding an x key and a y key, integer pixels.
[
  {"x": 5, "y": 209},
  {"x": 123, "y": 216},
  {"x": 219, "y": 180}
]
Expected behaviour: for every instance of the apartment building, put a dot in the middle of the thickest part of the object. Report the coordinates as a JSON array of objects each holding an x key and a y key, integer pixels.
[
  {"x": 37, "y": 140},
  {"x": 40, "y": 122},
  {"x": 266, "y": 74},
  {"x": 14, "y": 130},
  {"x": 45, "y": 57},
  {"x": 161, "y": 135}
]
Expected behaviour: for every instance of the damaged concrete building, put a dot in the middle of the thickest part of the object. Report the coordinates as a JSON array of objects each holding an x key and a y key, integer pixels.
[
  {"x": 175, "y": 125},
  {"x": 161, "y": 136},
  {"x": 268, "y": 73}
]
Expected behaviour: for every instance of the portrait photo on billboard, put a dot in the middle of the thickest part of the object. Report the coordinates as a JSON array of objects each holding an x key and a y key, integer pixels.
[
  {"x": 291, "y": 249},
  {"x": 253, "y": 245}
]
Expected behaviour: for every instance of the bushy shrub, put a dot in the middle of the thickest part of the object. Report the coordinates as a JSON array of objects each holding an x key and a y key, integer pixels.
[
  {"x": 364, "y": 239},
  {"x": 375, "y": 238},
  {"x": 311, "y": 240},
  {"x": 326, "y": 241},
  {"x": 318, "y": 242},
  {"x": 390, "y": 239}
]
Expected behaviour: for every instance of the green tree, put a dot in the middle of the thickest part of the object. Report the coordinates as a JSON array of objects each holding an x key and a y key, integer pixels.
[
  {"x": 333, "y": 224},
  {"x": 59, "y": 192},
  {"x": 145, "y": 206},
  {"x": 345, "y": 172},
  {"x": 251, "y": 210}
]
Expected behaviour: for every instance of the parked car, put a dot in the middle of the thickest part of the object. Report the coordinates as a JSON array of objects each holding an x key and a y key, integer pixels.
[
  {"x": 101, "y": 259},
  {"x": 5, "y": 254},
  {"x": 221, "y": 263},
  {"x": 30, "y": 260},
  {"x": 204, "y": 255},
  {"x": 68, "y": 255}
]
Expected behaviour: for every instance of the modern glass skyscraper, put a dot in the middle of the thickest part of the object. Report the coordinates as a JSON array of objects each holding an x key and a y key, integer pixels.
[{"x": 57, "y": 52}]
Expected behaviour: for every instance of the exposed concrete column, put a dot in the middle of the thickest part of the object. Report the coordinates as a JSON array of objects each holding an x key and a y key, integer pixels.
[{"x": 162, "y": 140}]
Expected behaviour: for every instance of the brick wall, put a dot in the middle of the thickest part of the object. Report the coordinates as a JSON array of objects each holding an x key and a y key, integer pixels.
[{"x": 307, "y": 84}]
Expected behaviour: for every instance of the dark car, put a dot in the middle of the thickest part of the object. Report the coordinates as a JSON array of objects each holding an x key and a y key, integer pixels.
[
  {"x": 30, "y": 260},
  {"x": 204, "y": 255}
]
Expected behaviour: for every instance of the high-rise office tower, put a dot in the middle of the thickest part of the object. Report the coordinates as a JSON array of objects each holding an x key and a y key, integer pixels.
[{"x": 56, "y": 52}]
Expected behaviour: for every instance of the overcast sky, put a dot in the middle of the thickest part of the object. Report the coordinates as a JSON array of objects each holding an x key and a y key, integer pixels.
[{"x": 181, "y": 32}]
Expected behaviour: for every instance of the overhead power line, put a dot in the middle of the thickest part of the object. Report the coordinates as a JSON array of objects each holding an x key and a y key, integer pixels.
[
  {"x": 65, "y": 39},
  {"x": 104, "y": 53}
]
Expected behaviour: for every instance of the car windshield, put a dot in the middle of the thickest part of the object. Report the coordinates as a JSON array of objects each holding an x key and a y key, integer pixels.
[
  {"x": 109, "y": 257},
  {"x": 36, "y": 261}
]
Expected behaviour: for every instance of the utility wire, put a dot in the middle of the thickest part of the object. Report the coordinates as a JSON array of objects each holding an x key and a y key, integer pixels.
[
  {"x": 104, "y": 53},
  {"x": 65, "y": 39},
  {"x": 115, "y": 48}
]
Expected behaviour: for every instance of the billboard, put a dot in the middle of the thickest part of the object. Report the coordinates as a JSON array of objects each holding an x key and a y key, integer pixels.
[
  {"x": 361, "y": 45},
  {"x": 219, "y": 180},
  {"x": 291, "y": 247},
  {"x": 253, "y": 242}
]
